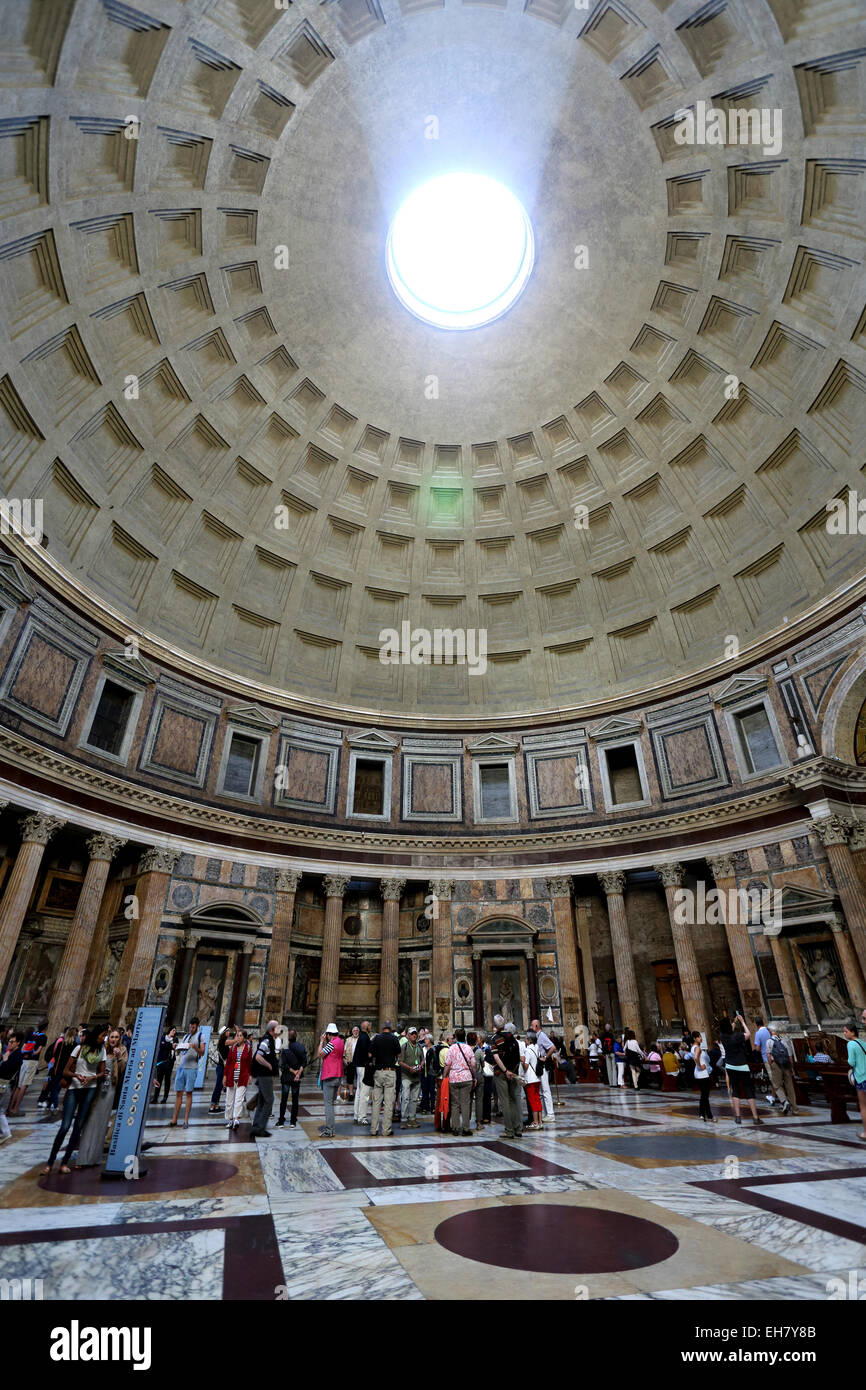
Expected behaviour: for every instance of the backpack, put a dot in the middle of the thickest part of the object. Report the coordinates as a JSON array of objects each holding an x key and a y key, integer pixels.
[{"x": 779, "y": 1053}]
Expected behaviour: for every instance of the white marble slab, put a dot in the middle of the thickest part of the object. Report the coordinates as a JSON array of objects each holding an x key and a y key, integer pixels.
[
  {"x": 177, "y": 1265},
  {"x": 844, "y": 1198},
  {"x": 434, "y": 1163}
]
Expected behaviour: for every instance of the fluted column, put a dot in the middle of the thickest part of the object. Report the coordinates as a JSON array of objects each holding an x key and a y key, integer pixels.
[
  {"x": 854, "y": 981},
  {"x": 69, "y": 984},
  {"x": 857, "y": 845},
  {"x": 613, "y": 884},
  {"x": 739, "y": 942},
  {"x": 582, "y": 912},
  {"x": 133, "y": 976},
  {"x": 835, "y": 832},
  {"x": 392, "y": 891},
  {"x": 329, "y": 976},
  {"x": 787, "y": 978},
  {"x": 441, "y": 963},
  {"x": 237, "y": 1008},
  {"x": 566, "y": 955},
  {"x": 281, "y": 941},
  {"x": 36, "y": 831},
  {"x": 691, "y": 983},
  {"x": 108, "y": 910}
]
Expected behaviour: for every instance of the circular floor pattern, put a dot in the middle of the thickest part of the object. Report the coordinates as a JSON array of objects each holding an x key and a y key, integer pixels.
[
  {"x": 697, "y": 1146},
  {"x": 546, "y": 1238},
  {"x": 162, "y": 1175}
]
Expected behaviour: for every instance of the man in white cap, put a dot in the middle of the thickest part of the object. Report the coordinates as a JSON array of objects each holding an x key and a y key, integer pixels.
[
  {"x": 411, "y": 1063},
  {"x": 331, "y": 1054}
]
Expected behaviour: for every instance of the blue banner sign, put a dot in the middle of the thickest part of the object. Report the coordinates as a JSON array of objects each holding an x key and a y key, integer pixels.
[
  {"x": 205, "y": 1031},
  {"x": 135, "y": 1093}
]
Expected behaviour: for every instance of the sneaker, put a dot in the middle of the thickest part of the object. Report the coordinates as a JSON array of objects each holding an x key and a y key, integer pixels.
[
  {"x": 412, "y": 1124},
  {"x": 279, "y": 1123},
  {"x": 293, "y": 1124},
  {"x": 786, "y": 1107},
  {"x": 506, "y": 1134}
]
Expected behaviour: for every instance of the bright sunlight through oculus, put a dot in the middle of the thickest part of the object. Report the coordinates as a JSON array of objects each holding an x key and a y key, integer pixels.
[{"x": 460, "y": 251}]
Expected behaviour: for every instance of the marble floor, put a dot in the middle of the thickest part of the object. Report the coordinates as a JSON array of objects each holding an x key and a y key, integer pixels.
[{"x": 623, "y": 1195}]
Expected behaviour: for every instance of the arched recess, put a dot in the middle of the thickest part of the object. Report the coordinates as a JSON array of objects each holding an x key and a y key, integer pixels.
[{"x": 846, "y": 710}]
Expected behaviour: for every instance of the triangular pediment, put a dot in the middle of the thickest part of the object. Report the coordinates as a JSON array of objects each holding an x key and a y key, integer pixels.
[
  {"x": 739, "y": 688},
  {"x": 795, "y": 897},
  {"x": 253, "y": 716},
  {"x": 493, "y": 743},
  {"x": 13, "y": 580},
  {"x": 132, "y": 668},
  {"x": 617, "y": 727},
  {"x": 372, "y": 738}
]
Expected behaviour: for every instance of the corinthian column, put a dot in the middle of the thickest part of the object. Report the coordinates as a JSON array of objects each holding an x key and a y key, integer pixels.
[
  {"x": 737, "y": 932},
  {"x": 854, "y": 982},
  {"x": 787, "y": 977},
  {"x": 613, "y": 884},
  {"x": 36, "y": 831},
  {"x": 566, "y": 955},
  {"x": 66, "y": 997},
  {"x": 329, "y": 975},
  {"x": 835, "y": 832},
  {"x": 441, "y": 964},
  {"x": 133, "y": 975},
  {"x": 691, "y": 984},
  {"x": 281, "y": 940},
  {"x": 392, "y": 890}
]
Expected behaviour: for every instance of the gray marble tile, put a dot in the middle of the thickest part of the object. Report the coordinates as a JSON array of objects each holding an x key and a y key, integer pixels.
[
  {"x": 178, "y": 1265},
  {"x": 296, "y": 1169}
]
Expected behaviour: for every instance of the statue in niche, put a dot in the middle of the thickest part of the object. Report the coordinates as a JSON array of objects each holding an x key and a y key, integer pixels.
[
  {"x": 299, "y": 984},
  {"x": 208, "y": 988},
  {"x": 506, "y": 1000},
  {"x": 404, "y": 987},
  {"x": 105, "y": 993},
  {"x": 823, "y": 977}
]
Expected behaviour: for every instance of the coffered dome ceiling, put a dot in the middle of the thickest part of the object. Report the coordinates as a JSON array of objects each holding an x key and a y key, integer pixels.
[{"x": 260, "y": 466}]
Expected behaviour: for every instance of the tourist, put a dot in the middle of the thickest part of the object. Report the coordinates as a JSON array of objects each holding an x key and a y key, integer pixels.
[
  {"x": 619, "y": 1058},
  {"x": 533, "y": 1068},
  {"x": 654, "y": 1065},
  {"x": 428, "y": 1078},
  {"x": 474, "y": 1041},
  {"x": 735, "y": 1040},
  {"x": 264, "y": 1069},
  {"x": 384, "y": 1056},
  {"x": 634, "y": 1056},
  {"x": 31, "y": 1051},
  {"x": 857, "y": 1074},
  {"x": 164, "y": 1065},
  {"x": 95, "y": 1132},
  {"x": 715, "y": 1055},
  {"x": 222, "y": 1049},
  {"x": 330, "y": 1054},
  {"x": 761, "y": 1043},
  {"x": 460, "y": 1070},
  {"x": 84, "y": 1071},
  {"x": 60, "y": 1054},
  {"x": 546, "y": 1051},
  {"x": 595, "y": 1053},
  {"x": 239, "y": 1059},
  {"x": 293, "y": 1060},
  {"x": 506, "y": 1061},
  {"x": 608, "y": 1055},
  {"x": 10, "y": 1065},
  {"x": 349, "y": 1062},
  {"x": 411, "y": 1067},
  {"x": 703, "y": 1076},
  {"x": 363, "y": 1085},
  {"x": 190, "y": 1048},
  {"x": 670, "y": 1061},
  {"x": 781, "y": 1073}
]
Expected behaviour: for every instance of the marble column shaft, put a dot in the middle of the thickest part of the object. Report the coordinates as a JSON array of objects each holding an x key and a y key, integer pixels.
[
  {"x": 130, "y": 992},
  {"x": 613, "y": 884},
  {"x": 582, "y": 911},
  {"x": 441, "y": 967},
  {"x": 566, "y": 955},
  {"x": 854, "y": 978},
  {"x": 36, "y": 831},
  {"x": 281, "y": 941},
  {"x": 109, "y": 908},
  {"x": 787, "y": 978},
  {"x": 392, "y": 889},
  {"x": 739, "y": 940},
  {"x": 694, "y": 996},
  {"x": 852, "y": 893},
  {"x": 69, "y": 983},
  {"x": 329, "y": 976}
]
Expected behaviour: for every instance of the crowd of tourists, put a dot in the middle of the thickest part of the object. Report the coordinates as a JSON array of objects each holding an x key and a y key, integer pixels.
[{"x": 389, "y": 1077}]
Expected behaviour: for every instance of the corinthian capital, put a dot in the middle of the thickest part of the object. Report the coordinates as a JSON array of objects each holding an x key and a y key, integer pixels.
[
  {"x": 613, "y": 881},
  {"x": 722, "y": 866},
  {"x": 287, "y": 880},
  {"x": 102, "y": 846},
  {"x": 858, "y": 834},
  {"x": 38, "y": 828},
  {"x": 158, "y": 861},
  {"x": 671, "y": 875},
  {"x": 832, "y": 830},
  {"x": 442, "y": 888},
  {"x": 392, "y": 888},
  {"x": 560, "y": 887},
  {"x": 335, "y": 885}
]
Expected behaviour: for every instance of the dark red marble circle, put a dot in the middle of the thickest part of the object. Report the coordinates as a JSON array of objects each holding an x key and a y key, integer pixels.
[
  {"x": 546, "y": 1238},
  {"x": 163, "y": 1175}
]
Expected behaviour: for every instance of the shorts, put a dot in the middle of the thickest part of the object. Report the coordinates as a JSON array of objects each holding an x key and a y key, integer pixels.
[
  {"x": 860, "y": 1085},
  {"x": 742, "y": 1085},
  {"x": 27, "y": 1073},
  {"x": 184, "y": 1079}
]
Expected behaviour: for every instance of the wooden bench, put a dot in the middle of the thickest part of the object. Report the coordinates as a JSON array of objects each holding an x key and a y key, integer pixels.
[{"x": 832, "y": 1084}]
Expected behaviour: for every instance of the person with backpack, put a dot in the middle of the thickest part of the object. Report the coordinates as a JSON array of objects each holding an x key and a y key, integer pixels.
[
  {"x": 428, "y": 1079},
  {"x": 703, "y": 1076},
  {"x": 778, "y": 1062},
  {"x": 293, "y": 1060},
  {"x": 533, "y": 1067}
]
